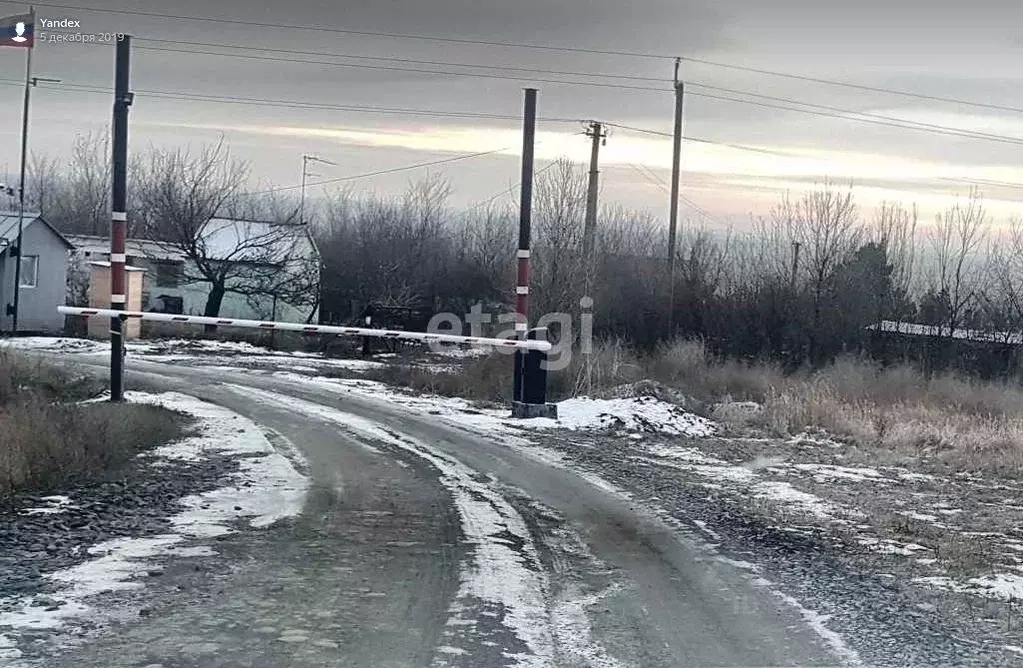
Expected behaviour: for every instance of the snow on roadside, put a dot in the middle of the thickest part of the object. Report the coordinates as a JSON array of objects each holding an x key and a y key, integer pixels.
[
  {"x": 54, "y": 344},
  {"x": 276, "y": 490},
  {"x": 636, "y": 414},
  {"x": 1004, "y": 586}
]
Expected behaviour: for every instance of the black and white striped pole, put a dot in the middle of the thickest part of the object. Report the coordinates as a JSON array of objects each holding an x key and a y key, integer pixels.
[{"x": 119, "y": 215}]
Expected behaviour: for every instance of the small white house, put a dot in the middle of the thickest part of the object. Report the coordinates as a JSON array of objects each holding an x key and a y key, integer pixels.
[{"x": 253, "y": 249}]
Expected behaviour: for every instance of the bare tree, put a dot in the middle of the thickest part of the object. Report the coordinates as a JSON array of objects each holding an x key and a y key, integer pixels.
[
  {"x": 180, "y": 198},
  {"x": 559, "y": 205},
  {"x": 956, "y": 238},
  {"x": 895, "y": 229}
]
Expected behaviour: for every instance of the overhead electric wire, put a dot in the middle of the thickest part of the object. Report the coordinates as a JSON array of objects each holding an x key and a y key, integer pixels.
[
  {"x": 542, "y": 47},
  {"x": 491, "y": 200},
  {"x": 366, "y": 175},
  {"x": 811, "y": 108}
]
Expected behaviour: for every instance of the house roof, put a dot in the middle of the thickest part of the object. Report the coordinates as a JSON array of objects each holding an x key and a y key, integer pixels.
[
  {"x": 224, "y": 239},
  {"x": 138, "y": 247},
  {"x": 9, "y": 227},
  {"x": 914, "y": 329}
]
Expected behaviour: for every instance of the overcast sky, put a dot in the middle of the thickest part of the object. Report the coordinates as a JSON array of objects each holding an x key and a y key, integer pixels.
[{"x": 971, "y": 51}]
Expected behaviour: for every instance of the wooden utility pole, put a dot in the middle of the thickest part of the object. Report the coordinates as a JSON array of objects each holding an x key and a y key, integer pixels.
[
  {"x": 676, "y": 175},
  {"x": 119, "y": 215},
  {"x": 598, "y": 135}
]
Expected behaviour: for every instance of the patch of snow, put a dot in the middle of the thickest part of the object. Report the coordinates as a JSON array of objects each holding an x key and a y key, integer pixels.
[
  {"x": 1001, "y": 585},
  {"x": 121, "y": 560},
  {"x": 8, "y": 648},
  {"x": 573, "y": 630},
  {"x": 819, "y": 623},
  {"x": 915, "y": 477},
  {"x": 1013, "y": 648},
  {"x": 54, "y": 505},
  {"x": 646, "y": 414},
  {"x": 887, "y": 546},
  {"x": 827, "y": 471},
  {"x": 475, "y": 351},
  {"x": 706, "y": 529},
  {"x": 919, "y": 516},
  {"x": 685, "y": 454},
  {"x": 276, "y": 490},
  {"x": 55, "y": 344},
  {"x": 786, "y": 494},
  {"x": 727, "y": 473}
]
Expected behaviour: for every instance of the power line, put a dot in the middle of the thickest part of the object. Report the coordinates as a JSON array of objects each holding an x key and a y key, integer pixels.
[
  {"x": 298, "y": 104},
  {"x": 651, "y": 177},
  {"x": 491, "y": 200},
  {"x": 811, "y": 108},
  {"x": 393, "y": 170},
  {"x": 871, "y": 119},
  {"x": 521, "y": 45},
  {"x": 294, "y": 104},
  {"x": 919, "y": 124},
  {"x": 847, "y": 84}
]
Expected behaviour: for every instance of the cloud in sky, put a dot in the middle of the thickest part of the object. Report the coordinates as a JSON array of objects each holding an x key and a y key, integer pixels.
[{"x": 963, "y": 51}]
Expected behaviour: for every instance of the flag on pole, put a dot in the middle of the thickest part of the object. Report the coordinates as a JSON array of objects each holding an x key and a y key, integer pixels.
[{"x": 18, "y": 30}]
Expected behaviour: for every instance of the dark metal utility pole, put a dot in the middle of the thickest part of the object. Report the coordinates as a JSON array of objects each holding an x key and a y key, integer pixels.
[
  {"x": 21, "y": 184},
  {"x": 676, "y": 175},
  {"x": 795, "y": 265},
  {"x": 525, "y": 223},
  {"x": 119, "y": 214},
  {"x": 596, "y": 132}
]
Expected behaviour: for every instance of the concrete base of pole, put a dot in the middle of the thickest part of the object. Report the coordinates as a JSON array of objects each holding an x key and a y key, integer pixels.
[{"x": 526, "y": 411}]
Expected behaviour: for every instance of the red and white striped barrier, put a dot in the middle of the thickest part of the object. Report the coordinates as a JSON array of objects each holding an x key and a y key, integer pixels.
[{"x": 308, "y": 329}]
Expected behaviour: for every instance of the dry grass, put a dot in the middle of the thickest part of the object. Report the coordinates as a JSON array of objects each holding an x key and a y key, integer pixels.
[
  {"x": 482, "y": 378},
  {"x": 46, "y": 437},
  {"x": 896, "y": 413}
]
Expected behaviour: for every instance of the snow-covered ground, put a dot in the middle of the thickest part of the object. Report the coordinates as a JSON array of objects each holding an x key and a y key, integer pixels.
[
  {"x": 615, "y": 416},
  {"x": 267, "y": 488}
]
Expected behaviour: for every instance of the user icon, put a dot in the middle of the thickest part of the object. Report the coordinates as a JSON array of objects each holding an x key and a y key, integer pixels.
[{"x": 19, "y": 28}]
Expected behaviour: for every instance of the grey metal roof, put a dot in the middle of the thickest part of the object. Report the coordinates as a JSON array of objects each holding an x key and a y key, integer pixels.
[{"x": 9, "y": 226}]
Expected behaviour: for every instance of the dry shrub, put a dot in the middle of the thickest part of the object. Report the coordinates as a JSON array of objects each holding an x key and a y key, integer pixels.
[
  {"x": 689, "y": 366},
  {"x": 481, "y": 378},
  {"x": 20, "y": 374},
  {"x": 43, "y": 444},
  {"x": 46, "y": 438},
  {"x": 609, "y": 364}
]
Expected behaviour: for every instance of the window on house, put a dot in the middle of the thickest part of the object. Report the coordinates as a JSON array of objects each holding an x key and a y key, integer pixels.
[
  {"x": 29, "y": 270},
  {"x": 169, "y": 274}
]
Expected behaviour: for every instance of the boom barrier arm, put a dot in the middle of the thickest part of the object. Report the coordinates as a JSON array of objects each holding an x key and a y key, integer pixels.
[{"x": 543, "y": 346}]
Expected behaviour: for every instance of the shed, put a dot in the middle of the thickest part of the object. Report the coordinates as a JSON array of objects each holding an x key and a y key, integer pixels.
[
  {"x": 99, "y": 297},
  {"x": 44, "y": 265}
]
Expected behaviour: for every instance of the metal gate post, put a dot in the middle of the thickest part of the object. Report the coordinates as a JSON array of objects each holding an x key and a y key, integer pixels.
[{"x": 533, "y": 401}]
